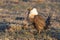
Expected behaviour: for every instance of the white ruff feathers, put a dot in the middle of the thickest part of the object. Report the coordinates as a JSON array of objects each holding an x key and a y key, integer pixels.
[{"x": 33, "y": 12}]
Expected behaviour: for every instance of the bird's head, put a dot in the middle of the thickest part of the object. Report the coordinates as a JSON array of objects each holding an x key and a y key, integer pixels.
[{"x": 29, "y": 9}]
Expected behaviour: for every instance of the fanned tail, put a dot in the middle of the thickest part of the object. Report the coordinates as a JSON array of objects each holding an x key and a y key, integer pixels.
[{"x": 48, "y": 21}]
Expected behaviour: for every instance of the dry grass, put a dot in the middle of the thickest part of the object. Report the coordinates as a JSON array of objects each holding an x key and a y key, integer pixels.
[
  {"x": 10, "y": 11},
  {"x": 14, "y": 28}
]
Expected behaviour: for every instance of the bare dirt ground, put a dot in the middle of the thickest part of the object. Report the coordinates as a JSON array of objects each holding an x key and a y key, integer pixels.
[{"x": 13, "y": 13}]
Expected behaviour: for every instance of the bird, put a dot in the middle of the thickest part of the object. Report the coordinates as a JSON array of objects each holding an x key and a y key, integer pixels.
[{"x": 37, "y": 20}]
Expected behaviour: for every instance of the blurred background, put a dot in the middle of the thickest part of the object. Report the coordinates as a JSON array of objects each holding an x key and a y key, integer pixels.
[{"x": 13, "y": 25}]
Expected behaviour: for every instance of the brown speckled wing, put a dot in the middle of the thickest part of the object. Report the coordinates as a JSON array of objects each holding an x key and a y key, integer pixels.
[{"x": 39, "y": 22}]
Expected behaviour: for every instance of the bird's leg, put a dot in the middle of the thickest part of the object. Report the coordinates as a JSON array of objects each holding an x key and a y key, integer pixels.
[{"x": 39, "y": 31}]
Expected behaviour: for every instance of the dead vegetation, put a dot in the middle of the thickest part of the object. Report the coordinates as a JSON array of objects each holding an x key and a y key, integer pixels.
[{"x": 20, "y": 29}]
